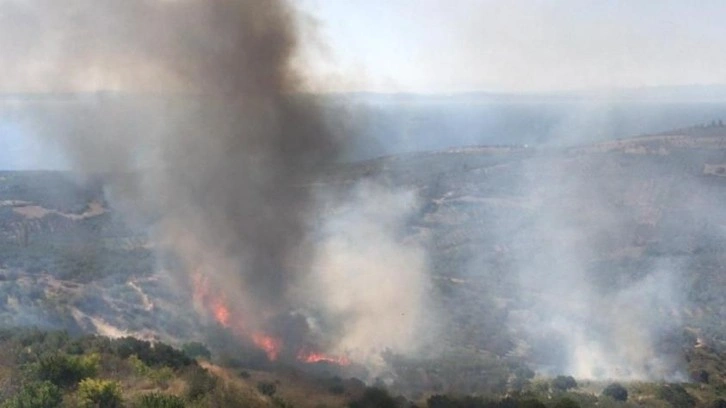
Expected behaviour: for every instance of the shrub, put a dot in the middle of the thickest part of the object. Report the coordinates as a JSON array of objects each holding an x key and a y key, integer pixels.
[
  {"x": 36, "y": 395},
  {"x": 64, "y": 370},
  {"x": 158, "y": 400},
  {"x": 158, "y": 354},
  {"x": 161, "y": 376},
  {"x": 374, "y": 397},
  {"x": 616, "y": 392},
  {"x": 564, "y": 383},
  {"x": 676, "y": 396},
  {"x": 567, "y": 403},
  {"x": 281, "y": 403},
  {"x": 199, "y": 383},
  {"x": 226, "y": 395},
  {"x": 99, "y": 393},
  {"x": 196, "y": 349},
  {"x": 441, "y": 401},
  {"x": 337, "y": 389},
  {"x": 267, "y": 388}
]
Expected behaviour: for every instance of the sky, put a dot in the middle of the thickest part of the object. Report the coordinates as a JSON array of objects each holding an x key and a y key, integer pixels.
[
  {"x": 435, "y": 46},
  {"x": 432, "y": 46},
  {"x": 425, "y": 46}
]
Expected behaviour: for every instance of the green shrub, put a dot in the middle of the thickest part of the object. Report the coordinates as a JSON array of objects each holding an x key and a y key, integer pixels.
[
  {"x": 99, "y": 394},
  {"x": 66, "y": 371},
  {"x": 158, "y": 400},
  {"x": 676, "y": 396},
  {"x": 36, "y": 395},
  {"x": 140, "y": 368},
  {"x": 161, "y": 376}
]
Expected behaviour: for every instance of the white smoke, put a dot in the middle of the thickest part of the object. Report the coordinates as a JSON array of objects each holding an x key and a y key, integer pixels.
[{"x": 371, "y": 274}]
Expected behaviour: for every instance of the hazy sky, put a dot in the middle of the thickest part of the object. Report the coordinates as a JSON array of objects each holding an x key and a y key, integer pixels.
[
  {"x": 520, "y": 45},
  {"x": 423, "y": 46}
]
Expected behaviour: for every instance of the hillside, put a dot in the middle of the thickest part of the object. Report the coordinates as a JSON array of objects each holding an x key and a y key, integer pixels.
[{"x": 602, "y": 261}]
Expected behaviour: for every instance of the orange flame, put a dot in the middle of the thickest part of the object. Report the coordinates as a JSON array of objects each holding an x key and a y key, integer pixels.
[
  {"x": 270, "y": 345},
  {"x": 217, "y": 306},
  {"x": 221, "y": 313},
  {"x": 313, "y": 357}
]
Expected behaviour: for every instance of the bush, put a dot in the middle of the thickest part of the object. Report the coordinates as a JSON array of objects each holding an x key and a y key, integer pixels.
[
  {"x": 567, "y": 403},
  {"x": 564, "y": 383},
  {"x": 442, "y": 401},
  {"x": 196, "y": 349},
  {"x": 281, "y": 403},
  {"x": 158, "y": 400},
  {"x": 158, "y": 354},
  {"x": 36, "y": 395},
  {"x": 161, "y": 376},
  {"x": 616, "y": 392},
  {"x": 199, "y": 383},
  {"x": 337, "y": 389},
  {"x": 266, "y": 388},
  {"x": 99, "y": 393},
  {"x": 227, "y": 395},
  {"x": 374, "y": 397},
  {"x": 676, "y": 396},
  {"x": 66, "y": 371}
]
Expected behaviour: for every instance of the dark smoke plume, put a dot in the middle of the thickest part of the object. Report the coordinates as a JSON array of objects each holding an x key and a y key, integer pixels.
[{"x": 224, "y": 134}]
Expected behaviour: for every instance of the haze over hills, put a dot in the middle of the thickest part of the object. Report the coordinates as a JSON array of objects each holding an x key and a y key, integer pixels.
[{"x": 383, "y": 124}]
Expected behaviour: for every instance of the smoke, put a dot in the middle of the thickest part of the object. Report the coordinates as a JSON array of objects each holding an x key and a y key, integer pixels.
[
  {"x": 214, "y": 145},
  {"x": 580, "y": 314},
  {"x": 371, "y": 275}
]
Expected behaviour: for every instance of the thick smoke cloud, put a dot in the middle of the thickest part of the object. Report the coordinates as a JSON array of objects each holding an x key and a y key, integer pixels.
[
  {"x": 216, "y": 147},
  {"x": 224, "y": 164}
]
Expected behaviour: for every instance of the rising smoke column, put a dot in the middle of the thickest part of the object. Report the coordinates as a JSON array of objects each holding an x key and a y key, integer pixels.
[{"x": 226, "y": 148}]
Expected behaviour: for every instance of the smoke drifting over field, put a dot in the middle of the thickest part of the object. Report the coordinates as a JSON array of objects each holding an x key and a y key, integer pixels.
[
  {"x": 585, "y": 320},
  {"x": 224, "y": 165}
]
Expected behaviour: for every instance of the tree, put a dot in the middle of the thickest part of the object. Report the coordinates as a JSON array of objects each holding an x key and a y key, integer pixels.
[{"x": 616, "y": 392}]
